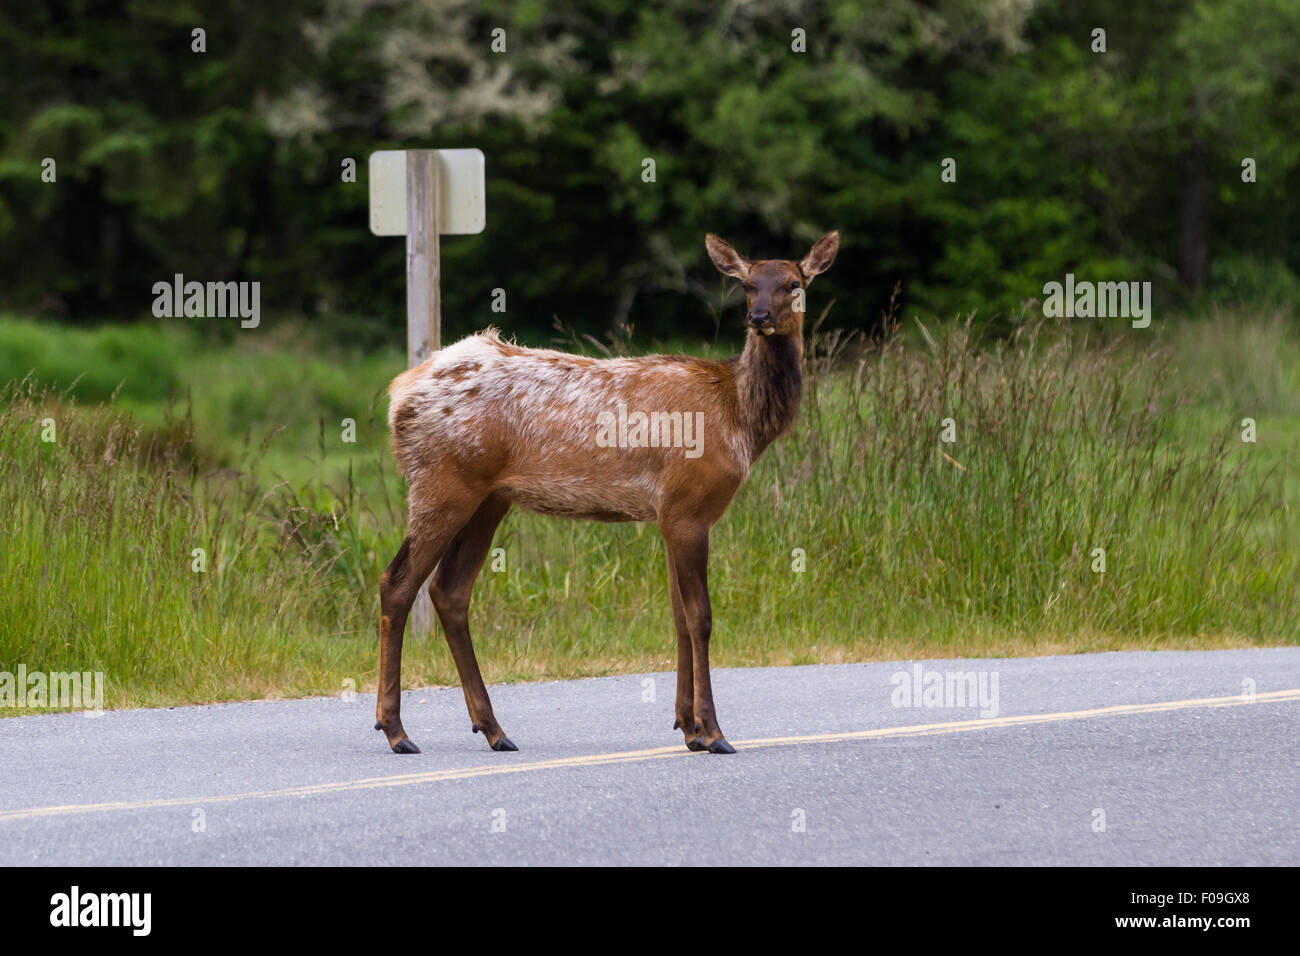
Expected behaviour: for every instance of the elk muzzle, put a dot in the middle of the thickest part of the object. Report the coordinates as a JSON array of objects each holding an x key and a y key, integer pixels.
[{"x": 760, "y": 321}]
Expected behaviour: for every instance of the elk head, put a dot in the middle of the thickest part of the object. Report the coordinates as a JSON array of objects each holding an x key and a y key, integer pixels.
[{"x": 774, "y": 287}]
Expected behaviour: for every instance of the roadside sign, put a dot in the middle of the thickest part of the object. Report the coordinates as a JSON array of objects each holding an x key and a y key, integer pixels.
[{"x": 462, "y": 206}]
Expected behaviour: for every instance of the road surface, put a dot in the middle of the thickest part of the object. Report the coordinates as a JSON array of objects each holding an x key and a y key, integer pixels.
[{"x": 1105, "y": 759}]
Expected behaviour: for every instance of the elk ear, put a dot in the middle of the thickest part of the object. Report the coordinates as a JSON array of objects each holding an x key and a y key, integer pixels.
[
  {"x": 728, "y": 260},
  {"x": 820, "y": 256}
]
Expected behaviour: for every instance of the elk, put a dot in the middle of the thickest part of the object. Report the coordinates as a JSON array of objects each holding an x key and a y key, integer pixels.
[{"x": 485, "y": 424}]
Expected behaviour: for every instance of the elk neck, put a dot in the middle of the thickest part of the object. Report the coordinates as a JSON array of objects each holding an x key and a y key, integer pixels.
[{"x": 769, "y": 384}]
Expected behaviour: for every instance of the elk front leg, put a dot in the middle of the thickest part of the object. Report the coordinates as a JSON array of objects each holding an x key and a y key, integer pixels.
[
  {"x": 684, "y": 710},
  {"x": 452, "y": 585},
  {"x": 688, "y": 549}
]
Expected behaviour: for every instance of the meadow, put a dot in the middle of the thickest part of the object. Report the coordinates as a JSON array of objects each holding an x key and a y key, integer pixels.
[{"x": 862, "y": 536}]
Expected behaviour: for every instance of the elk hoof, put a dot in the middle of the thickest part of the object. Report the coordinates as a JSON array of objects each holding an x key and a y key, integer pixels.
[
  {"x": 697, "y": 744},
  {"x": 405, "y": 746},
  {"x": 504, "y": 744},
  {"x": 720, "y": 746}
]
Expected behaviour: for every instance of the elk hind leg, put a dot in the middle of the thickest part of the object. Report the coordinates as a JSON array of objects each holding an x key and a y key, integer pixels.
[
  {"x": 431, "y": 530},
  {"x": 450, "y": 590}
]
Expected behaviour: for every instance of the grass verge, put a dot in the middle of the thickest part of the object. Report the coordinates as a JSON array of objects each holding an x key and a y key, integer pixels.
[{"x": 863, "y": 536}]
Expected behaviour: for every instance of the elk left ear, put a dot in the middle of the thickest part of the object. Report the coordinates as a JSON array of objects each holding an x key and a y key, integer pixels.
[{"x": 820, "y": 256}]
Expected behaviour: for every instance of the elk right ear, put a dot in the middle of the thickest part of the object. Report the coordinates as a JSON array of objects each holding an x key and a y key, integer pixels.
[{"x": 727, "y": 259}]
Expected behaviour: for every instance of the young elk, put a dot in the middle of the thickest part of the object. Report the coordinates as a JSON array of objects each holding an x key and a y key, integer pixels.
[{"x": 485, "y": 424}]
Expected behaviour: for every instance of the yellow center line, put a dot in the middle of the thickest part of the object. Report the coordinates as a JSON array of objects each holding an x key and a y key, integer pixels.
[{"x": 653, "y": 753}]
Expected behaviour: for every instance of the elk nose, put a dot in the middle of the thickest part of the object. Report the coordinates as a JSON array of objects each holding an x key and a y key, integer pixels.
[{"x": 758, "y": 320}]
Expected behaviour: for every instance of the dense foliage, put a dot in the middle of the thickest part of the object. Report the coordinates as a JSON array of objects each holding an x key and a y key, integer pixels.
[{"x": 226, "y": 164}]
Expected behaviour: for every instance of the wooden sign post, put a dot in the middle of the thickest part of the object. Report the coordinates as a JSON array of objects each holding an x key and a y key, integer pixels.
[
  {"x": 423, "y": 296},
  {"x": 423, "y": 194}
]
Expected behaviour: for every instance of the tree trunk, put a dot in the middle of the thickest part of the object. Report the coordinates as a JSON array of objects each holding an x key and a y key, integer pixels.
[
  {"x": 1194, "y": 237},
  {"x": 1195, "y": 229}
]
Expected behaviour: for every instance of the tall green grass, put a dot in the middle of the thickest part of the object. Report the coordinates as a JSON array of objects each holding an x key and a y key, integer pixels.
[
  {"x": 1067, "y": 441},
  {"x": 118, "y": 557}
]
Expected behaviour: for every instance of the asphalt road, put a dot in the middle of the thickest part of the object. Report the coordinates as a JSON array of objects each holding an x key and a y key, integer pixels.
[{"x": 1120, "y": 758}]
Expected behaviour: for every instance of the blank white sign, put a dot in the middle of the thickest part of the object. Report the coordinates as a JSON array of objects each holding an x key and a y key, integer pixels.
[{"x": 462, "y": 207}]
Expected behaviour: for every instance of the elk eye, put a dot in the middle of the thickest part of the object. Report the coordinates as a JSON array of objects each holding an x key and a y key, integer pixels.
[{"x": 794, "y": 286}]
